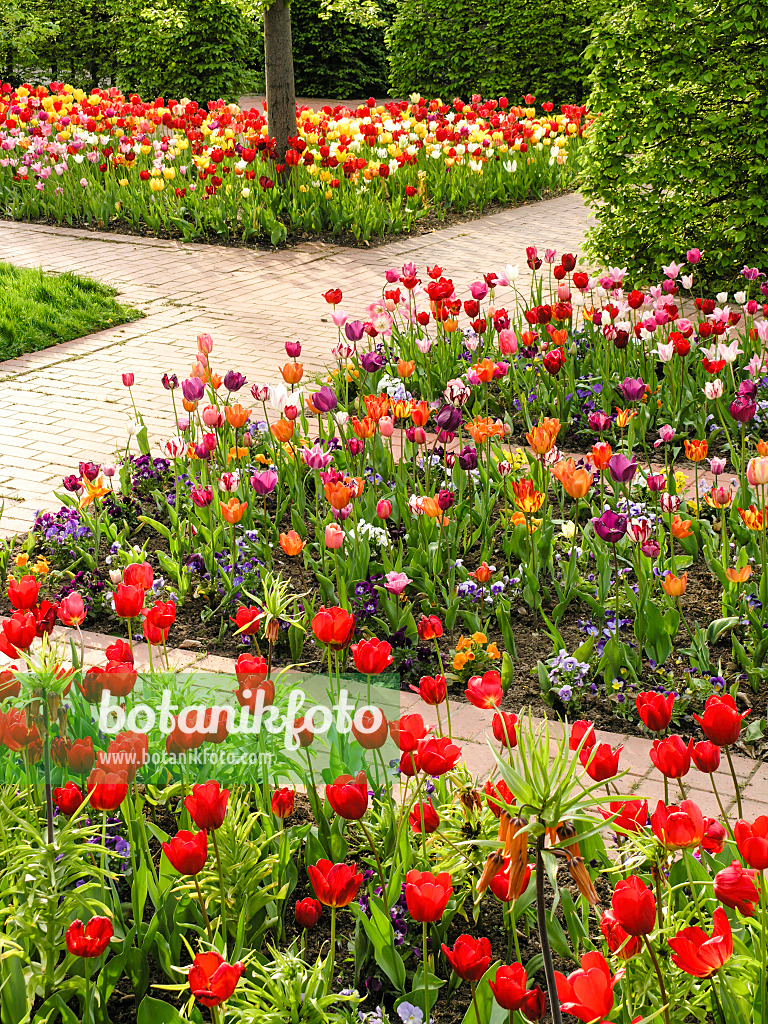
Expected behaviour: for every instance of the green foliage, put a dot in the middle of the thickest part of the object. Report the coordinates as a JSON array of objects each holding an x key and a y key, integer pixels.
[
  {"x": 509, "y": 47},
  {"x": 38, "y": 310},
  {"x": 677, "y": 157}
]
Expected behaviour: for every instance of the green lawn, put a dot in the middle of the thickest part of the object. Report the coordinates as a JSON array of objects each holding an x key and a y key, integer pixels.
[{"x": 38, "y": 310}]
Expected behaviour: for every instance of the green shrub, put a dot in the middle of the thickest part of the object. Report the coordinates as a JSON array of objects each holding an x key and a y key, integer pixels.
[
  {"x": 677, "y": 156},
  {"x": 508, "y": 48}
]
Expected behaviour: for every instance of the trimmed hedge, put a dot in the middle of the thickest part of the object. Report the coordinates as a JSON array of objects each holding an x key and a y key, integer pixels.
[
  {"x": 677, "y": 156},
  {"x": 508, "y": 48}
]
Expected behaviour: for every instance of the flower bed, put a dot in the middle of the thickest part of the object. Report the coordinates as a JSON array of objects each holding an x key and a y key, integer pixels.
[
  {"x": 109, "y": 161},
  {"x": 381, "y": 520}
]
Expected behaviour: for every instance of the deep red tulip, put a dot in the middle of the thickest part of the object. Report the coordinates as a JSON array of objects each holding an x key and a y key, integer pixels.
[
  {"x": 18, "y": 633},
  {"x": 706, "y": 757},
  {"x": 672, "y": 756},
  {"x": 72, "y": 609},
  {"x": 504, "y": 728},
  {"x": 308, "y": 912},
  {"x": 207, "y": 805},
  {"x": 534, "y": 1004},
  {"x": 485, "y": 691},
  {"x": 212, "y": 980},
  {"x": 470, "y": 957},
  {"x": 45, "y": 618},
  {"x": 752, "y": 841},
  {"x": 407, "y": 730},
  {"x": 433, "y": 690},
  {"x": 372, "y": 656},
  {"x": 334, "y": 627},
  {"x": 580, "y": 730},
  {"x": 427, "y": 895},
  {"x": 588, "y": 992},
  {"x": 23, "y": 593},
  {"x": 737, "y": 887},
  {"x": 509, "y": 988},
  {"x": 631, "y": 815},
  {"x": 370, "y": 729},
  {"x": 107, "y": 789},
  {"x": 80, "y": 756},
  {"x": 620, "y": 942},
  {"x": 681, "y": 827},
  {"x": 702, "y": 955},
  {"x": 655, "y": 709},
  {"x": 89, "y": 940},
  {"x": 349, "y": 796},
  {"x": 187, "y": 851},
  {"x": 601, "y": 762},
  {"x": 721, "y": 720},
  {"x": 283, "y": 801},
  {"x": 714, "y": 836},
  {"x": 408, "y": 764},
  {"x": 436, "y": 756},
  {"x": 336, "y": 885},
  {"x": 129, "y": 601},
  {"x": 431, "y": 818},
  {"x": 139, "y": 574},
  {"x": 634, "y": 906},
  {"x": 69, "y": 799},
  {"x": 498, "y": 796},
  {"x": 429, "y": 627}
]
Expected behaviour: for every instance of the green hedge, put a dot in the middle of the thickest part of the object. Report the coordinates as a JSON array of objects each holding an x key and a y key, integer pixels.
[
  {"x": 677, "y": 156},
  {"x": 508, "y": 48}
]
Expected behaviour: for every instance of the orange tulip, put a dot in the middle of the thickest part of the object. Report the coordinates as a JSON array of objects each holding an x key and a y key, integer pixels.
[
  {"x": 696, "y": 451},
  {"x": 576, "y": 482},
  {"x": 419, "y": 414},
  {"x": 292, "y": 372},
  {"x": 673, "y": 585},
  {"x": 291, "y": 543},
  {"x": 559, "y": 337},
  {"x": 237, "y": 416},
  {"x": 188, "y": 406},
  {"x": 338, "y": 495},
  {"x": 233, "y": 511},
  {"x": 405, "y": 368},
  {"x": 214, "y": 380},
  {"x": 719, "y": 497},
  {"x": 752, "y": 518},
  {"x": 364, "y": 428},
  {"x": 739, "y": 575},
  {"x": 623, "y": 416},
  {"x": 311, "y": 405},
  {"x": 483, "y": 574},
  {"x": 430, "y": 507},
  {"x": 762, "y": 448},
  {"x": 355, "y": 484},
  {"x": 681, "y": 527},
  {"x": 282, "y": 430},
  {"x": 526, "y": 497},
  {"x": 450, "y": 325},
  {"x": 543, "y": 436},
  {"x": 481, "y": 429},
  {"x": 485, "y": 370},
  {"x": 377, "y": 406},
  {"x": 601, "y": 454}
]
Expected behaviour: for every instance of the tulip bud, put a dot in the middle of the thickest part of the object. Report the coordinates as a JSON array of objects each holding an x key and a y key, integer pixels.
[{"x": 384, "y": 508}]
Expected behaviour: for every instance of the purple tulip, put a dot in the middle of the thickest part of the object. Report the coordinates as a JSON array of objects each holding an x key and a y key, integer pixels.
[
  {"x": 657, "y": 482},
  {"x": 170, "y": 381},
  {"x": 72, "y": 483},
  {"x": 599, "y": 421},
  {"x": 610, "y": 527},
  {"x": 90, "y": 470},
  {"x": 747, "y": 390},
  {"x": 193, "y": 389},
  {"x": 650, "y": 549},
  {"x": 742, "y": 410},
  {"x": 622, "y": 470},
  {"x": 354, "y": 330},
  {"x": 202, "y": 453},
  {"x": 233, "y": 380},
  {"x": 468, "y": 458},
  {"x": 633, "y": 389},
  {"x": 325, "y": 399},
  {"x": 448, "y": 418},
  {"x": 372, "y": 362},
  {"x": 264, "y": 482}
]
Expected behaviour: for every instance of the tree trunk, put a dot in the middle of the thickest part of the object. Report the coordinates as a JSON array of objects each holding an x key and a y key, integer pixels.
[{"x": 278, "y": 67}]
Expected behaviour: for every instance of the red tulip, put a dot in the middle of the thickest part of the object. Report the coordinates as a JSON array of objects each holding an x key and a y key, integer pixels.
[
  {"x": 631, "y": 815},
  {"x": 407, "y": 731},
  {"x": 430, "y": 815},
  {"x": 247, "y": 621},
  {"x": 107, "y": 789},
  {"x": 372, "y": 656},
  {"x": 437, "y": 756},
  {"x": 80, "y": 756},
  {"x": 119, "y": 653},
  {"x": 706, "y": 757},
  {"x": 509, "y": 988},
  {"x": 504, "y": 728},
  {"x": 601, "y": 762},
  {"x": 127, "y": 752},
  {"x": 429, "y": 628},
  {"x": 10, "y": 684},
  {"x": 69, "y": 799},
  {"x": 18, "y": 734},
  {"x": 580, "y": 730},
  {"x": 433, "y": 690},
  {"x": 470, "y": 957},
  {"x": 283, "y": 801},
  {"x": 620, "y": 942},
  {"x": 90, "y": 940},
  {"x": 336, "y": 885},
  {"x": 672, "y": 756},
  {"x": 408, "y": 764},
  {"x": 139, "y": 574},
  {"x": 308, "y": 912},
  {"x": 702, "y": 955},
  {"x": 45, "y": 618},
  {"x": 207, "y": 805},
  {"x": 212, "y": 980},
  {"x": 534, "y": 1004},
  {"x": 72, "y": 609},
  {"x": 427, "y": 895},
  {"x": 681, "y": 827},
  {"x": 737, "y": 887},
  {"x": 721, "y": 720},
  {"x": 714, "y": 836},
  {"x": 507, "y": 887},
  {"x": 634, "y": 906},
  {"x": 588, "y": 992},
  {"x": 485, "y": 691},
  {"x": 128, "y": 601},
  {"x": 348, "y": 796},
  {"x": 187, "y": 851},
  {"x": 334, "y": 627},
  {"x": 498, "y": 796},
  {"x": 18, "y": 633},
  {"x": 655, "y": 709},
  {"x": 23, "y": 593},
  {"x": 752, "y": 841},
  {"x": 370, "y": 729}
]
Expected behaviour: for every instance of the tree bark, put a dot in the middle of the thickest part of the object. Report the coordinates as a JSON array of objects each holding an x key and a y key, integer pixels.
[{"x": 278, "y": 67}]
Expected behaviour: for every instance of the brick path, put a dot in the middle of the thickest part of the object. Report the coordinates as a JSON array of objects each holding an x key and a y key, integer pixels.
[{"x": 67, "y": 403}]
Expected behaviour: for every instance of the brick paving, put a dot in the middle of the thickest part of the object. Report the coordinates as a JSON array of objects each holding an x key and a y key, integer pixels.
[{"x": 67, "y": 403}]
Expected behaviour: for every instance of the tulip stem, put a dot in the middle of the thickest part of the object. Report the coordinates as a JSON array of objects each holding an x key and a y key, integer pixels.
[
  {"x": 103, "y": 850},
  {"x": 474, "y": 1003},
  {"x": 331, "y": 952},
  {"x": 205, "y": 912},
  {"x": 735, "y": 780},
  {"x": 425, "y": 968},
  {"x": 221, "y": 889},
  {"x": 716, "y": 999},
  {"x": 720, "y": 805},
  {"x": 659, "y": 976},
  {"x": 375, "y": 852},
  {"x": 541, "y": 917}
]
